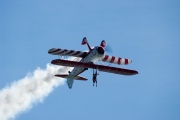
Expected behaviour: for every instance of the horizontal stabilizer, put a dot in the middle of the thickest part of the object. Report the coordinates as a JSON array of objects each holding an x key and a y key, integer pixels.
[
  {"x": 80, "y": 78},
  {"x": 62, "y": 75},
  {"x": 75, "y": 78}
]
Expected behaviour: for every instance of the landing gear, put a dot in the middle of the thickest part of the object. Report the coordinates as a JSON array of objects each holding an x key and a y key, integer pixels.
[{"x": 95, "y": 76}]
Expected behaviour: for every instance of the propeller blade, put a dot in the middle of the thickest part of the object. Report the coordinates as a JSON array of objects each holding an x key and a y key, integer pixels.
[{"x": 108, "y": 48}]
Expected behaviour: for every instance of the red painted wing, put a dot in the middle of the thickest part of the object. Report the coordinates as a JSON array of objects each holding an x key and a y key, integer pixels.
[{"x": 103, "y": 68}]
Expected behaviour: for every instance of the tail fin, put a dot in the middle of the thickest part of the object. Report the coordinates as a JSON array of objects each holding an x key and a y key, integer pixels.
[
  {"x": 103, "y": 43},
  {"x": 85, "y": 41}
]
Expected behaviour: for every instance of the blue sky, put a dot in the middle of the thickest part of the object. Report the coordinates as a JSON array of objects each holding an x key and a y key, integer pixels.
[{"x": 145, "y": 31}]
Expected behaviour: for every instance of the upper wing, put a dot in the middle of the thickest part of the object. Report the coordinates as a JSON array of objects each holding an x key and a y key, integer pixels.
[
  {"x": 64, "y": 52},
  {"x": 94, "y": 66},
  {"x": 116, "y": 60}
]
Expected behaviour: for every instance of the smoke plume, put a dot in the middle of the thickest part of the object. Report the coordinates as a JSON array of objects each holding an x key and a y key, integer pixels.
[{"x": 22, "y": 94}]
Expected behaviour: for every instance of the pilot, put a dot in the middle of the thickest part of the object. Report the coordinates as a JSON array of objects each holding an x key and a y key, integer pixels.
[{"x": 95, "y": 77}]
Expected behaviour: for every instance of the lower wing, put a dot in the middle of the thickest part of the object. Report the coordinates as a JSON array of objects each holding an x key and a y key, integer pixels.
[{"x": 103, "y": 68}]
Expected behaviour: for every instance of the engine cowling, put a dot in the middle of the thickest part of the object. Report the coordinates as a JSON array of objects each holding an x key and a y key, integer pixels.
[{"x": 100, "y": 50}]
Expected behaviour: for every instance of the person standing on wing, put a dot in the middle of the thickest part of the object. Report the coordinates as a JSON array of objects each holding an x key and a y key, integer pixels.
[{"x": 95, "y": 77}]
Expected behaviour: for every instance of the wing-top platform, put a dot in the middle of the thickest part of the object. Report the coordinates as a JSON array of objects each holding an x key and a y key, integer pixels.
[{"x": 103, "y": 68}]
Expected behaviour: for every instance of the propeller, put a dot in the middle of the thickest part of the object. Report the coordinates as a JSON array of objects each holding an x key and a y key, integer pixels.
[{"x": 108, "y": 48}]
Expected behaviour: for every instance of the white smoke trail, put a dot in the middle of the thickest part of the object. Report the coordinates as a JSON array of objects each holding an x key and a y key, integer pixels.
[{"x": 22, "y": 94}]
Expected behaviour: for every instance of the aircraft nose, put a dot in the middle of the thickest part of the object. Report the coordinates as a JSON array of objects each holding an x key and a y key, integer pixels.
[{"x": 100, "y": 50}]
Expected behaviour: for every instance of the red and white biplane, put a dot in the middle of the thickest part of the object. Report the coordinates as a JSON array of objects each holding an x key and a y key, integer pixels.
[{"x": 87, "y": 61}]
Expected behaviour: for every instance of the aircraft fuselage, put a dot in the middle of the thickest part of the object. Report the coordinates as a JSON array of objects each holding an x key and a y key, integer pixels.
[{"x": 94, "y": 55}]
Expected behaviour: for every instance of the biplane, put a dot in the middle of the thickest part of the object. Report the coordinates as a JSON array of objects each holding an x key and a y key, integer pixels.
[{"x": 88, "y": 60}]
